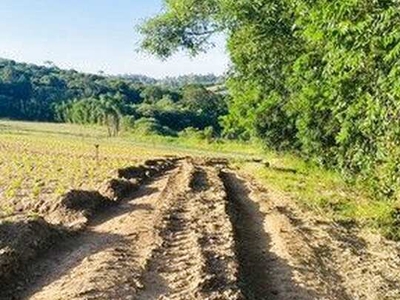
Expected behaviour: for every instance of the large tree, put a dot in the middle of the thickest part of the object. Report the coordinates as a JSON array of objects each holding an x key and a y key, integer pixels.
[{"x": 319, "y": 77}]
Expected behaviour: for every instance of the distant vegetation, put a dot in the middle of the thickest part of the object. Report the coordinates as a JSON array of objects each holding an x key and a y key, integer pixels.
[
  {"x": 320, "y": 78},
  {"x": 177, "y": 82},
  {"x": 47, "y": 93}
]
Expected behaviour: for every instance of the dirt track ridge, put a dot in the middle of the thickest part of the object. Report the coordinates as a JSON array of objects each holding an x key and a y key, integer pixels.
[{"x": 187, "y": 265}]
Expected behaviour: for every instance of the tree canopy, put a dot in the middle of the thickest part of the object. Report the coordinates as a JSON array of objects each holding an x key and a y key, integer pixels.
[{"x": 317, "y": 77}]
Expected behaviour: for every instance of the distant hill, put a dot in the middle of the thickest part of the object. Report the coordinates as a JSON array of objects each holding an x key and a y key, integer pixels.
[{"x": 179, "y": 81}]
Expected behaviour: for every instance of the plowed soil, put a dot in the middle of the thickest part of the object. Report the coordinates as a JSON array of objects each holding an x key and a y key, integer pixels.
[{"x": 201, "y": 231}]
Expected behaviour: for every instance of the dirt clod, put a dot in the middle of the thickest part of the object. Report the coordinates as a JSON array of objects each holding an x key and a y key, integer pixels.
[
  {"x": 22, "y": 240},
  {"x": 118, "y": 189}
]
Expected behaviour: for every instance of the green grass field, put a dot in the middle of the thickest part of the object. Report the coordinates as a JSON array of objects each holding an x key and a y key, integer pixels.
[{"x": 41, "y": 161}]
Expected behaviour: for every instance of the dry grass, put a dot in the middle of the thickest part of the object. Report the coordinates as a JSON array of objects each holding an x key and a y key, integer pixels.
[{"x": 39, "y": 166}]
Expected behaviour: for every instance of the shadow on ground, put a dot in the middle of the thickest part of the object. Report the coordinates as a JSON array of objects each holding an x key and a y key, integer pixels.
[{"x": 262, "y": 274}]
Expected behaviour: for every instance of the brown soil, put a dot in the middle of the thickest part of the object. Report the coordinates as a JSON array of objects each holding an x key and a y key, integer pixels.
[
  {"x": 201, "y": 231},
  {"x": 21, "y": 240},
  {"x": 75, "y": 209},
  {"x": 194, "y": 257},
  {"x": 285, "y": 253},
  {"x": 263, "y": 274}
]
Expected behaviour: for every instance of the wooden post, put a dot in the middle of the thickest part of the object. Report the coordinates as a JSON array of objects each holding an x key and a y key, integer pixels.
[{"x": 97, "y": 153}]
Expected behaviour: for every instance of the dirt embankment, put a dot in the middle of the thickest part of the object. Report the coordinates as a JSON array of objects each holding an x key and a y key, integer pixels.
[
  {"x": 24, "y": 238},
  {"x": 76, "y": 207},
  {"x": 198, "y": 230},
  {"x": 20, "y": 242}
]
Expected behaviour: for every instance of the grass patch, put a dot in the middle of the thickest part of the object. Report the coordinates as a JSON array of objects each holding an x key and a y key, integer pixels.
[
  {"x": 91, "y": 134},
  {"x": 325, "y": 193}
]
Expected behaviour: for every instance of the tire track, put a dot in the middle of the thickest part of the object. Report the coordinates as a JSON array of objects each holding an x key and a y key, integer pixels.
[
  {"x": 201, "y": 233},
  {"x": 195, "y": 259},
  {"x": 262, "y": 273},
  {"x": 177, "y": 264},
  {"x": 174, "y": 271},
  {"x": 217, "y": 242}
]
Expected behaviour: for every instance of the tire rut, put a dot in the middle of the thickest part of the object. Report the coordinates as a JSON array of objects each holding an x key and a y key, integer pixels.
[
  {"x": 262, "y": 273},
  {"x": 217, "y": 242},
  {"x": 174, "y": 271},
  {"x": 177, "y": 264},
  {"x": 195, "y": 259}
]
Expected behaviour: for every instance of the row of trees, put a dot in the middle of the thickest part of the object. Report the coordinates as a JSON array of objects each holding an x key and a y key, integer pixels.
[
  {"x": 105, "y": 110},
  {"x": 318, "y": 77},
  {"x": 194, "y": 106},
  {"x": 47, "y": 93}
]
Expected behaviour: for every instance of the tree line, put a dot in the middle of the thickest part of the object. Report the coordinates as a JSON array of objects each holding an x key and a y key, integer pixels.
[
  {"x": 320, "y": 78},
  {"x": 47, "y": 93},
  {"x": 178, "y": 81}
]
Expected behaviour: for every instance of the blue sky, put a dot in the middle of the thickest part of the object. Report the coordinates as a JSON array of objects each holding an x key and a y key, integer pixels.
[{"x": 92, "y": 35}]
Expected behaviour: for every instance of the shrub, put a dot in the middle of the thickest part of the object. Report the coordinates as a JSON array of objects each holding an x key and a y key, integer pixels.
[
  {"x": 150, "y": 126},
  {"x": 128, "y": 123}
]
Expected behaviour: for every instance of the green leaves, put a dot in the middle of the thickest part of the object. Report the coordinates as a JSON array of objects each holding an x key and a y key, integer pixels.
[
  {"x": 320, "y": 77},
  {"x": 185, "y": 24}
]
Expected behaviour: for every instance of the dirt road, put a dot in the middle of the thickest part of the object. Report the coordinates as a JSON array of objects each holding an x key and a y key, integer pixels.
[{"x": 200, "y": 231}]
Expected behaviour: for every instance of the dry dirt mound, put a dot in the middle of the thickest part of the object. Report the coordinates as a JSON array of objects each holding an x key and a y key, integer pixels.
[
  {"x": 21, "y": 240},
  {"x": 149, "y": 169},
  {"x": 75, "y": 209},
  {"x": 117, "y": 189}
]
